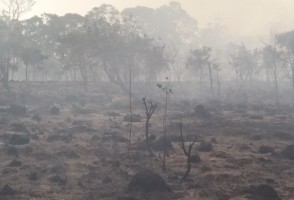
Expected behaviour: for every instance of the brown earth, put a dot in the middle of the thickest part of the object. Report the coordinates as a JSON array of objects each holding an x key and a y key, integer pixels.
[{"x": 84, "y": 154}]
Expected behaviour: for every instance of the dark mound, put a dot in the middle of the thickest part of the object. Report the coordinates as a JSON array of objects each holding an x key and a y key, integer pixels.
[
  {"x": 19, "y": 139},
  {"x": 7, "y": 190},
  {"x": 54, "y": 110},
  {"x": 195, "y": 158},
  {"x": 133, "y": 118},
  {"x": 147, "y": 181},
  {"x": 288, "y": 152},
  {"x": 204, "y": 147},
  {"x": 158, "y": 145},
  {"x": 266, "y": 149},
  {"x": 262, "y": 192},
  {"x": 15, "y": 163},
  {"x": 201, "y": 112}
]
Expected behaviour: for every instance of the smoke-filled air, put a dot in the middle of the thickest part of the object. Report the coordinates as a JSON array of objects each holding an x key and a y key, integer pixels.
[{"x": 147, "y": 100}]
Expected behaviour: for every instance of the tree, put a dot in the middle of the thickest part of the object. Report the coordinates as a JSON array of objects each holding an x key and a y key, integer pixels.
[
  {"x": 186, "y": 151},
  {"x": 31, "y": 56},
  {"x": 244, "y": 63},
  {"x": 150, "y": 107},
  {"x": 200, "y": 59},
  {"x": 32, "y": 53},
  {"x": 274, "y": 62},
  {"x": 167, "y": 93},
  {"x": 11, "y": 41},
  {"x": 121, "y": 46},
  {"x": 14, "y": 9},
  {"x": 172, "y": 26},
  {"x": 10, "y": 45},
  {"x": 287, "y": 41}
]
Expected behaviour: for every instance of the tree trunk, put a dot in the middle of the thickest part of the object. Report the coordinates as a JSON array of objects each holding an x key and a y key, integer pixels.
[
  {"x": 218, "y": 85},
  {"x": 131, "y": 112},
  {"x": 277, "y": 96},
  {"x": 292, "y": 69},
  {"x": 27, "y": 71},
  {"x": 211, "y": 80},
  {"x": 6, "y": 75}
]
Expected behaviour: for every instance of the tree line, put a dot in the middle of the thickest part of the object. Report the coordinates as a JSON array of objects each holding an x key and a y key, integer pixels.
[{"x": 106, "y": 45}]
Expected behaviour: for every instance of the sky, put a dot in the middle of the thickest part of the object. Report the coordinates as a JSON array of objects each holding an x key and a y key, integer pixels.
[{"x": 240, "y": 17}]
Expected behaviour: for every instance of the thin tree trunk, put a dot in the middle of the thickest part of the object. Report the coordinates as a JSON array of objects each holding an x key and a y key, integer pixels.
[
  {"x": 218, "y": 85},
  {"x": 27, "y": 69},
  {"x": 292, "y": 69},
  {"x": 164, "y": 130},
  {"x": 277, "y": 97},
  {"x": 131, "y": 113},
  {"x": 210, "y": 79}
]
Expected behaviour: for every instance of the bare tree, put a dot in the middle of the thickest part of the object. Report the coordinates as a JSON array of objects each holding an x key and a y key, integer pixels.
[
  {"x": 167, "y": 92},
  {"x": 131, "y": 112},
  {"x": 14, "y": 9},
  {"x": 187, "y": 151},
  {"x": 150, "y": 107}
]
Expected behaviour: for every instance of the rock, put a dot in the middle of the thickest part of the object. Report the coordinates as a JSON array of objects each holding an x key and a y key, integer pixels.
[
  {"x": 288, "y": 152},
  {"x": 147, "y": 181},
  {"x": 15, "y": 163},
  {"x": 17, "y": 110},
  {"x": 19, "y": 139},
  {"x": 54, "y": 110},
  {"x": 261, "y": 192},
  {"x": 266, "y": 149},
  {"x": 201, "y": 112},
  {"x": 7, "y": 191},
  {"x": 204, "y": 147}
]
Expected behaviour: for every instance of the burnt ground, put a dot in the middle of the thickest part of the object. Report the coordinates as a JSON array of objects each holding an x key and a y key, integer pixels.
[{"x": 81, "y": 152}]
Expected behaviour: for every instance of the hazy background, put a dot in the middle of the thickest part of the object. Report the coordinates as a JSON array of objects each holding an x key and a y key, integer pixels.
[{"x": 240, "y": 17}]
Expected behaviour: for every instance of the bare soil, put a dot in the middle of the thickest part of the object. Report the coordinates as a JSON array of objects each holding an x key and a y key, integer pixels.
[{"x": 84, "y": 155}]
